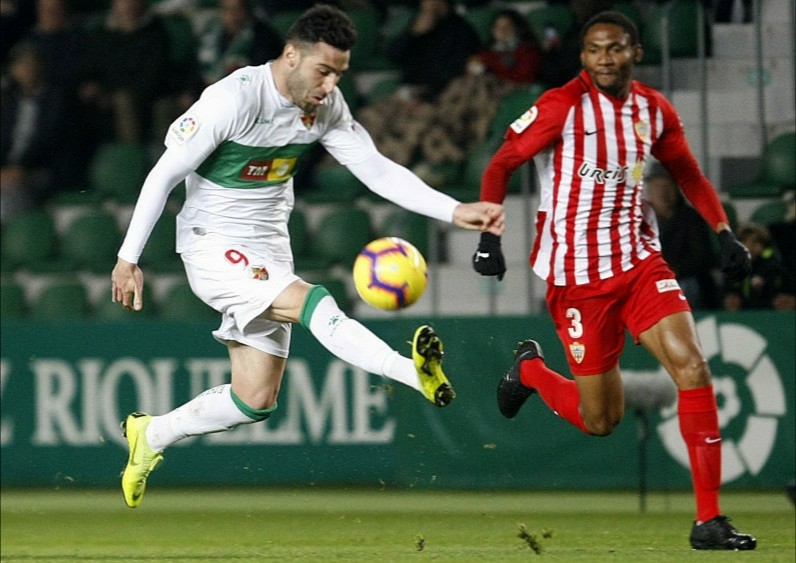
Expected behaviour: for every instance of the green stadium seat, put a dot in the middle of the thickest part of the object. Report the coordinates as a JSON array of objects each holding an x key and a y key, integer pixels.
[
  {"x": 159, "y": 253},
  {"x": 29, "y": 241},
  {"x": 366, "y": 52},
  {"x": 682, "y": 31},
  {"x": 382, "y": 89},
  {"x": 61, "y": 300},
  {"x": 769, "y": 212},
  {"x": 629, "y": 9},
  {"x": 107, "y": 310},
  {"x": 91, "y": 242},
  {"x": 556, "y": 16},
  {"x": 341, "y": 234},
  {"x": 779, "y": 161},
  {"x": 13, "y": 305},
  {"x": 334, "y": 184},
  {"x": 283, "y": 19},
  {"x": 348, "y": 87},
  {"x": 411, "y": 227},
  {"x": 301, "y": 244},
  {"x": 399, "y": 18},
  {"x": 481, "y": 18},
  {"x": 778, "y": 170},
  {"x": 117, "y": 171},
  {"x": 755, "y": 188},
  {"x": 182, "y": 42},
  {"x": 180, "y": 304}
]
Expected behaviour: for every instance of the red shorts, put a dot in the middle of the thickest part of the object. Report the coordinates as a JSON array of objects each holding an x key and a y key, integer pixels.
[{"x": 591, "y": 319}]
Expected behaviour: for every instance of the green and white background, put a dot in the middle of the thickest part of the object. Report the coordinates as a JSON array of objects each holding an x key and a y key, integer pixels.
[{"x": 65, "y": 387}]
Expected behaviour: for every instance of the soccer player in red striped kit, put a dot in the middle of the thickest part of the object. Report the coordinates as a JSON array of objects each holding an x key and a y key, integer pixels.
[{"x": 597, "y": 247}]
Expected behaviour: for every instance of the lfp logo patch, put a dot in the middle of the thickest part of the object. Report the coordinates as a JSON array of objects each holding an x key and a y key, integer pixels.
[{"x": 184, "y": 128}]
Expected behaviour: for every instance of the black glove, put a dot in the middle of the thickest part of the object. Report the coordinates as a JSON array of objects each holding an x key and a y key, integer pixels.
[
  {"x": 488, "y": 258},
  {"x": 736, "y": 262}
]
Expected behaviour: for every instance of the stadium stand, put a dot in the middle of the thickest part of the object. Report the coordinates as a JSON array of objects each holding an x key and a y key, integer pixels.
[
  {"x": 61, "y": 300},
  {"x": 29, "y": 243},
  {"x": 90, "y": 242}
]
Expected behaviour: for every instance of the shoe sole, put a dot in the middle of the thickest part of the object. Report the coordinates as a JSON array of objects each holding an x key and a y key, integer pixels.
[{"x": 428, "y": 341}]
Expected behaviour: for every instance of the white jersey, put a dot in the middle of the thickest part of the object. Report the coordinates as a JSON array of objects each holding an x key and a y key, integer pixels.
[{"x": 243, "y": 141}]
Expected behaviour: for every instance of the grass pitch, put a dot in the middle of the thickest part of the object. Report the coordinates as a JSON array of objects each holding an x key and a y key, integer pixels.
[{"x": 313, "y": 524}]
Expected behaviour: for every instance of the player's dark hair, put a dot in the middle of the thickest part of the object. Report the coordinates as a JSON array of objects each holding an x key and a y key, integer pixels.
[
  {"x": 324, "y": 23},
  {"x": 613, "y": 17}
]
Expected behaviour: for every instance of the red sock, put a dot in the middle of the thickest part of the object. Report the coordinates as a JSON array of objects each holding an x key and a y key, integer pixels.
[
  {"x": 558, "y": 392},
  {"x": 699, "y": 425}
]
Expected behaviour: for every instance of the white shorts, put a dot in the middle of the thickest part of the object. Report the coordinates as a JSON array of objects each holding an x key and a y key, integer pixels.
[{"x": 240, "y": 283}]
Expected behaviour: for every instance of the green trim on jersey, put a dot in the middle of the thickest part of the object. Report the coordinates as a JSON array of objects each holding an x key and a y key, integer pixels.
[
  {"x": 233, "y": 165},
  {"x": 257, "y": 415}
]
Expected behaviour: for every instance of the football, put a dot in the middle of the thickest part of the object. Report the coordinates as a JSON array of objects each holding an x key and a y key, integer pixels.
[{"x": 390, "y": 273}]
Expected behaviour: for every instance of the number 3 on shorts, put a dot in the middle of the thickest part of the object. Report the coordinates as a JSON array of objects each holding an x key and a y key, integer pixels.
[{"x": 576, "y": 326}]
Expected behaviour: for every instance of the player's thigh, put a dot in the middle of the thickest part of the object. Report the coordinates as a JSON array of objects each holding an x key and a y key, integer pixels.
[
  {"x": 256, "y": 375},
  {"x": 589, "y": 325},
  {"x": 235, "y": 280},
  {"x": 674, "y": 342}
]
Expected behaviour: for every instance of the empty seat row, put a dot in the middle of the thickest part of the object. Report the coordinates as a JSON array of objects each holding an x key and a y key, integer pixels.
[
  {"x": 88, "y": 243},
  {"x": 69, "y": 300}
]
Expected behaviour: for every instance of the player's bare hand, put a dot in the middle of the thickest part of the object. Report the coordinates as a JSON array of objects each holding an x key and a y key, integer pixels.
[
  {"x": 480, "y": 216},
  {"x": 127, "y": 285}
]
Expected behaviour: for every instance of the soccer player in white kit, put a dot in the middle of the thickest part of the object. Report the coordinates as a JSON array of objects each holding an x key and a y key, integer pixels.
[
  {"x": 237, "y": 149},
  {"x": 597, "y": 247}
]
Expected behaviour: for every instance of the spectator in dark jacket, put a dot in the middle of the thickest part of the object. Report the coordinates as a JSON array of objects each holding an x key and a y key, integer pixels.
[
  {"x": 34, "y": 133},
  {"x": 685, "y": 240},
  {"x": 770, "y": 285},
  {"x": 434, "y": 49}
]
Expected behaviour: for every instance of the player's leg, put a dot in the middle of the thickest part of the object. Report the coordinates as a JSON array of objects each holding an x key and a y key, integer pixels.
[
  {"x": 349, "y": 340},
  {"x": 589, "y": 327},
  {"x": 251, "y": 397},
  {"x": 673, "y": 341},
  {"x": 659, "y": 317}
]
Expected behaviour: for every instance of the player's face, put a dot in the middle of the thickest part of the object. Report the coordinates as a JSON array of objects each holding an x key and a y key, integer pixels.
[
  {"x": 317, "y": 70},
  {"x": 608, "y": 57}
]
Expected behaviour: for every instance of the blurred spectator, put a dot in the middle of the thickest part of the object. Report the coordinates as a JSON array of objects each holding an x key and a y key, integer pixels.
[
  {"x": 561, "y": 53},
  {"x": 235, "y": 38},
  {"x": 783, "y": 235},
  {"x": 733, "y": 11},
  {"x": 16, "y": 18},
  {"x": 60, "y": 42},
  {"x": 34, "y": 133},
  {"x": 770, "y": 285},
  {"x": 127, "y": 70},
  {"x": 512, "y": 53},
  {"x": 685, "y": 240},
  {"x": 434, "y": 49}
]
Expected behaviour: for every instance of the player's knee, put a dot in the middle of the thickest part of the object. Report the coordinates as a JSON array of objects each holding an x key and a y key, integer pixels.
[
  {"x": 257, "y": 406},
  {"x": 602, "y": 426},
  {"x": 692, "y": 374}
]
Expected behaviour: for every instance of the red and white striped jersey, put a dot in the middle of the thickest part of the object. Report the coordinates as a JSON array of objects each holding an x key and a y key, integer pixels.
[{"x": 590, "y": 151}]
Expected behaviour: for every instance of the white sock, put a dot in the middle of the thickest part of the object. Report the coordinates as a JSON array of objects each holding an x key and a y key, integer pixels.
[
  {"x": 350, "y": 341},
  {"x": 211, "y": 411}
]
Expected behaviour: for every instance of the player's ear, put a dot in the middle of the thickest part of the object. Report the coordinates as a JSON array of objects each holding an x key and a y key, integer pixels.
[
  {"x": 291, "y": 54},
  {"x": 638, "y": 53}
]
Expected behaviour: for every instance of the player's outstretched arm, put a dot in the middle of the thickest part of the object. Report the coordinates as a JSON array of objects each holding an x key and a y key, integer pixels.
[
  {"x": 127, "y": 285},
  {"x": 480, "y": 216}
]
